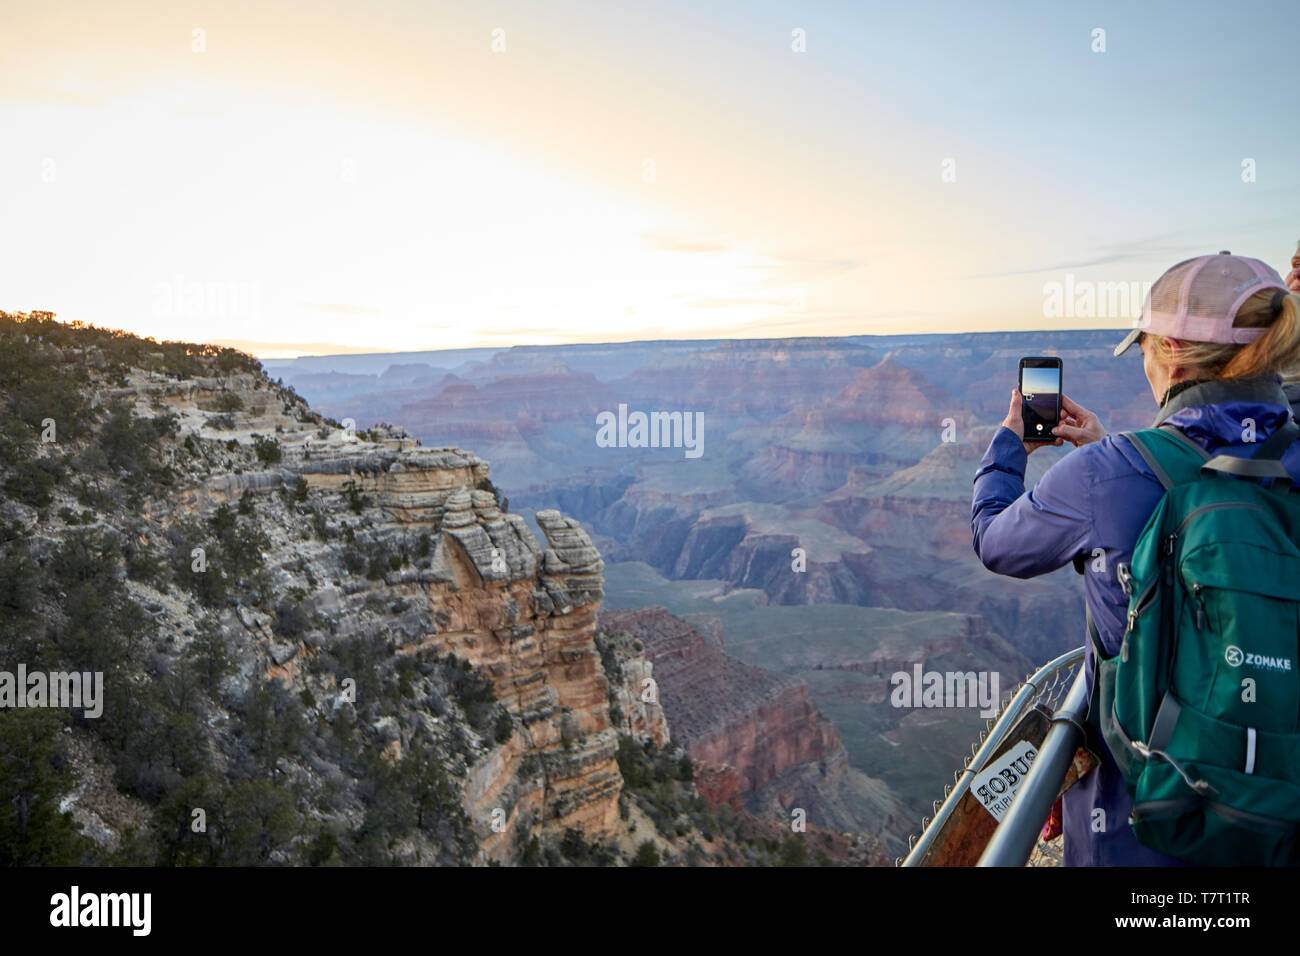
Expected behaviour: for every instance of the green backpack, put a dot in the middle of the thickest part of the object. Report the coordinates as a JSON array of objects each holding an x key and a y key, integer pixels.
[{"x": 1201, "y": 706}]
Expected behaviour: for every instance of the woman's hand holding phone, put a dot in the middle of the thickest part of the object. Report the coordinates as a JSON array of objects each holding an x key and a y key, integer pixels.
[{"x": 1078, "y": 426}]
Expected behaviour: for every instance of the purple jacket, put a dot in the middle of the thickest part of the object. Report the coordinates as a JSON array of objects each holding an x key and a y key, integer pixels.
[{"x": 1100, "y": 496}]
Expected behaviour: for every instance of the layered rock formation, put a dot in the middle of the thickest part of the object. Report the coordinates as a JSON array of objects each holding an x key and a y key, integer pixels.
[
  {"x": 448, "y": 576},
  {"x": 757, "y": 740},
  {"x": 519, "y": 612}
]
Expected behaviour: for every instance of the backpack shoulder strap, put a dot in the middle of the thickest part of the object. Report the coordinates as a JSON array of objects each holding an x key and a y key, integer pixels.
[
  {"x": 1177, "y": 433},
  {"x": 1172, "y": 457},
  {"x": 1265, "y": 463},
  {"x": 1276, "y": 445}
]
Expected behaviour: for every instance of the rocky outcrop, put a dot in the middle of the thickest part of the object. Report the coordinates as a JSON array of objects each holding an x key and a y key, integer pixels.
[
  {"x": 520, "y": 611},
  {"x": 725, "y": 712},
  {"x": 756, "y": 738},
  {"x": 634, "y": 692}
]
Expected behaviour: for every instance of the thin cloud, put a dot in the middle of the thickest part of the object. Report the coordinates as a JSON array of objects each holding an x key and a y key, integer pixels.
[
  {"x": 802, "y": 268},
  {"x": 1168, "y": 244},
  {"x": 726, "y": 302},
  {"x": 775, "y": 262},
  {"x": 498, "y": 333},
  {"x": 1104, "y": 260},
  {"x": 292, "y": 349},
  {"x": 19, "y": 89},
  {"x": 666, "y": 242},
  {"x": 338, "y": 308}
]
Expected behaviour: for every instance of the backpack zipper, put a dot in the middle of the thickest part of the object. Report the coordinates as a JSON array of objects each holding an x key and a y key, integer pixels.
[
  {"x": 1170, "y": 543},
  {"x": 1140, "y": 603},
  {"x": 1199, "y": 598},
  {"x": 1168, "y": 548},
  {"x": 1212, "y": 506}
]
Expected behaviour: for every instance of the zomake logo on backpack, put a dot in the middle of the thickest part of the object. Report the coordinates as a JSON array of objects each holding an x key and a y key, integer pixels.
[{"x": 1235, "y": 656}]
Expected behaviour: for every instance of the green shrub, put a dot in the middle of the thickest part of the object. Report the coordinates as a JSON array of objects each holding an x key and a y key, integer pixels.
[
  {"x": 356, "y": 501},
  {"x": 267, "y": 450},
  {"x": 142, "y": 564},
  {"x": 474, "y": 693},
  {"x": 685, "y": 769},
  {"x": 504, "y": 727},
  {"x": 353, "y": 560},
  {"x": 794, "y": 852},
  {"x": 532, "y": 855},
  {"x": 229, "y": 402},
  {"x": 291, "y": 619},
  {"x": 646, "y": 855},
  {"x": 32, "y": 481},
  {"x": 210, "y": 656},
  {"x": 32, "y": 781}
]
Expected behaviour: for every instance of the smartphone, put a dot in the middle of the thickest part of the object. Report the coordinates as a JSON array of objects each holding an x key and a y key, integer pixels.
[{"x": 1040, "y": 393}]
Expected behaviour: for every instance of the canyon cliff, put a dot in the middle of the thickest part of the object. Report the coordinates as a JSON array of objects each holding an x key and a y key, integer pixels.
[
  {"x": 757, "y": 740},
  {"x": 336, "y": 646}
]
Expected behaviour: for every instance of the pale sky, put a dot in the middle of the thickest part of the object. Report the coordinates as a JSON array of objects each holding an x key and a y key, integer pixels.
[{"x": 328, "y": 176}]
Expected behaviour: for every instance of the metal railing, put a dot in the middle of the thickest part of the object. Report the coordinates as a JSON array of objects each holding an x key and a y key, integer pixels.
[
  {"x": 1045, "y": 686},
  {"x": 1016, "y": 835}
]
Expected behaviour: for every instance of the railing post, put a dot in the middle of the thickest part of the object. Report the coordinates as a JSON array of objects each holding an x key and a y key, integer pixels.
[
  {"x": 1017, "y": 707},
  {"x": 1017, "y": 834}
]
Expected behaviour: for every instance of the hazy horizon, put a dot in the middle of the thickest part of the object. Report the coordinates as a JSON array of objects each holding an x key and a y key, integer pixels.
[{"x": 343, "y": 351}]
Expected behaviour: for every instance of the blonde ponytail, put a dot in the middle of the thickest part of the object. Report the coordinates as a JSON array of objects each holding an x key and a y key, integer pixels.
[{"x": 1277, "y": 351}]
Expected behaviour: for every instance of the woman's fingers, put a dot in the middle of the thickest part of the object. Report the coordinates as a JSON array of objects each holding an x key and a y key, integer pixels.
[
  {"x": 1078, "y": 425},
  {"x": 1074, "y": 408},
  {"x": 1013, "y": 420},
  {"x": 1072, "y": 433}
]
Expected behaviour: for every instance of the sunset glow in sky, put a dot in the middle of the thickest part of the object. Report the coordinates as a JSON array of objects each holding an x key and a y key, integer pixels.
[{"x": 328, "y": 176}]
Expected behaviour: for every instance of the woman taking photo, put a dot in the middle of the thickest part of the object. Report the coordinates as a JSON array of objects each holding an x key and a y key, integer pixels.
[{"x": 1218, "y": 334}]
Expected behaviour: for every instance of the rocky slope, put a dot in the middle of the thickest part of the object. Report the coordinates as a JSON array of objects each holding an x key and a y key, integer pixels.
[
  {"x": 757, "y": 740},
  {"x": 328, "y": 646},
  {"x": 487, "y": 592}
]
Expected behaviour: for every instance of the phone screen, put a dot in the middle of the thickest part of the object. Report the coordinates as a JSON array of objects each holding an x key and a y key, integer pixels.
[{"x": 1040, "y": 391}]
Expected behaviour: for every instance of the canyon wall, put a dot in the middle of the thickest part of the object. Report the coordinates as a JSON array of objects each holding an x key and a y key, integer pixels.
[
  {"x": 519, "y": 612},
  {"x": 757, "y": 740},
  {"x": 486, "y": 591}
]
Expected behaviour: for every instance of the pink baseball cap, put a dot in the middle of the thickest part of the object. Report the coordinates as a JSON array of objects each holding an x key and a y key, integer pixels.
[{"x": 1198, "y": 299}]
